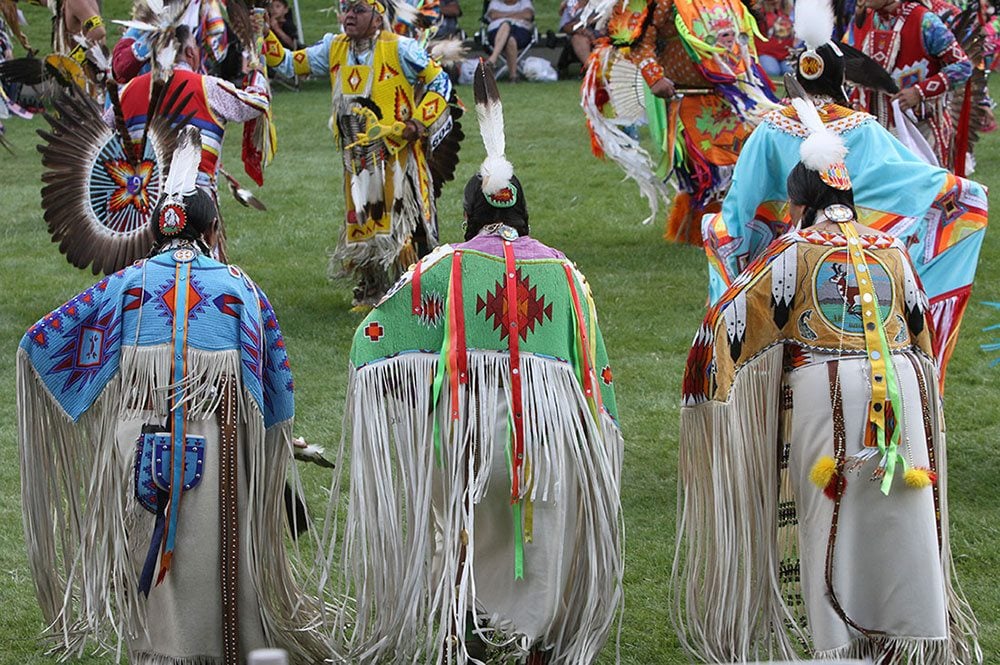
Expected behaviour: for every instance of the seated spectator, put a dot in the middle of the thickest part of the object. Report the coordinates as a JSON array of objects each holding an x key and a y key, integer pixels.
[
  {"x": 283, "y": 25},
  {"x": 777, "y": 27},
  {"x": 448, "y": 26},
  {"x": 510, "y": 28},
  {"x": 581, "y": 37}
]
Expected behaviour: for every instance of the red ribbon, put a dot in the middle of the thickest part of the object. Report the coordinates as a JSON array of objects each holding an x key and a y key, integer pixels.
[{"x": 513, "y": 345}]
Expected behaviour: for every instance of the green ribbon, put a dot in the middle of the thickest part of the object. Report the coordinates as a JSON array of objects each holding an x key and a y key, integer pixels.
[
  {"x": 518, "y": 524},
  {"x": 890, "y": 452}
]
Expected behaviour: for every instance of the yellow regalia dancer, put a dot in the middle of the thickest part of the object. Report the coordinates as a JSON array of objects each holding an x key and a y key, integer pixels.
[{"x": 390, "y": 109}]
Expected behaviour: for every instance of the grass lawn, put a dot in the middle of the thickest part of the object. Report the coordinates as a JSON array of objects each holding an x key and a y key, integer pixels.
[{"x": 650, "y": 296}]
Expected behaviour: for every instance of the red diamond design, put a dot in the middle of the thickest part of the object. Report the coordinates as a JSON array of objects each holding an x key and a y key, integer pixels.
[
  {"x": 532, "y": 310},
  {"x": 374, "y": 331},
  {"x": 606, "y": 375},
  {"x": 387, "y": 73}
]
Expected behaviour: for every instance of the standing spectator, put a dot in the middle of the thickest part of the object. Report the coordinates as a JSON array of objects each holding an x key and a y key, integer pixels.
[
  {"x": 581, "y": 37},
  {"x": 511, "y": 24},
  {"x": 283, "y": 25},
  {"x": 777, "y": 27}
]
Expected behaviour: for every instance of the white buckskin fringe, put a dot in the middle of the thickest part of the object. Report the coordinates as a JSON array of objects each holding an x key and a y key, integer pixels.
[
  {"x": 85, "y": 550},
  {"x": 728, "y": 604},
  {"x": 402, "y": 558}
]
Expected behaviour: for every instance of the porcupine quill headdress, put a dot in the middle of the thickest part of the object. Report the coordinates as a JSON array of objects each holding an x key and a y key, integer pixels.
[
  {"x": 496, "y": 171},
  {"x": 181, "y": 179},
  {"x": 823, "y": 150},
  {"x": 159, "y": 21},
  {"x": 824, "y": 64}
]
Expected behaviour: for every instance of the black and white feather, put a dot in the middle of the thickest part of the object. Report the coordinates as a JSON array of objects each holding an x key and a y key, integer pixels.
[
  {"x": 183, "y": 172},
  {"x": 495, "y": 170}
]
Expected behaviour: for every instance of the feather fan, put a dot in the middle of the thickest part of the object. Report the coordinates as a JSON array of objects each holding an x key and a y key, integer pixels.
[
  {"x": 496, "y": 171},
  {"x": 444, "y": 156},
  {"x": 862, "y": 70},
  {"x": 448, "y": 51},
  {"x": 242, "y": 195},
  {"x": 626, "y": 92}
]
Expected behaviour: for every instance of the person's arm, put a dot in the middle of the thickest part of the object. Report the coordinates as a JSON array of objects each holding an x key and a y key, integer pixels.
[
  {"x": 955, "y": 65},
  {"x": 312, "y": 59},
  {"x": 86, "y": 14},
  {"x": 643, "y": 54},
  {"x": 956, "y": 68},
  {"x": 130, "y": 55},
  {"x": 418, "y": 66},
  {"x": 238, "y": 104}
]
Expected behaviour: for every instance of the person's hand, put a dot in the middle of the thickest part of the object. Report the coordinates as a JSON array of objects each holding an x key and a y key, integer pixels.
[
  {"x": 412, "y": 130},
  {"x": 664, "y": 88},
  {"x": 908, "y": 98},
  {"x": 273, "y": 22}
]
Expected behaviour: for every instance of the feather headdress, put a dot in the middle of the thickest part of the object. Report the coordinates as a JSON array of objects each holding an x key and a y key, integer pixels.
[
  {"x": 814, "y": 25},
  {"x": 159, "y": 22},
  {"x": 495, "y": 170},
  {"x": 180, "y": 182}
]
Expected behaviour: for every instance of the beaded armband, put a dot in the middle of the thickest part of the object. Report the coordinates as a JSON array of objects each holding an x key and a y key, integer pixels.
[
  {"x": 273, "y": 51},
  {"x": 92, "y": 23},
  {"x": 651, "y": 71},
  {"x": 934, "y": 86}
]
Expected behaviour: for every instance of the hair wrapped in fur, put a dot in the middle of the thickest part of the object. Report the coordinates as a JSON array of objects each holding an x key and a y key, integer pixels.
[{"x": 479, "y": 212}]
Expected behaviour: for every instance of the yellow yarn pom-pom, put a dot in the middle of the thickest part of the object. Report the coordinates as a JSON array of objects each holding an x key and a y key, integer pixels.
[
  {"x": 917, "y": 478},
  {"x": 823, "y": 471}
]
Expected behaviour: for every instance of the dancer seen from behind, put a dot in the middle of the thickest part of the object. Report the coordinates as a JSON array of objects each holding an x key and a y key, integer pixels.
[
  {"x": 164, "y": 391},
  {"x": 484, "y": 518},
  {"x": 839, "y": 534},
  {"x": 390, "y": 107},
  {"x": 940, "y": 218},
  {"x": 211, "y": 103}
]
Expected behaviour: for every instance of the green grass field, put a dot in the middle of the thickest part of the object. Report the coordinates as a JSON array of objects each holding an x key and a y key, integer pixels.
[{"x": 650, "y": 296}]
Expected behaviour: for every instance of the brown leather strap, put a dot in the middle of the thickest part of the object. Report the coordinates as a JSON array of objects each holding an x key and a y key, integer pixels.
[
  {"x": 229, "y": 535},
  {"x": 840, "y": 452}
]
